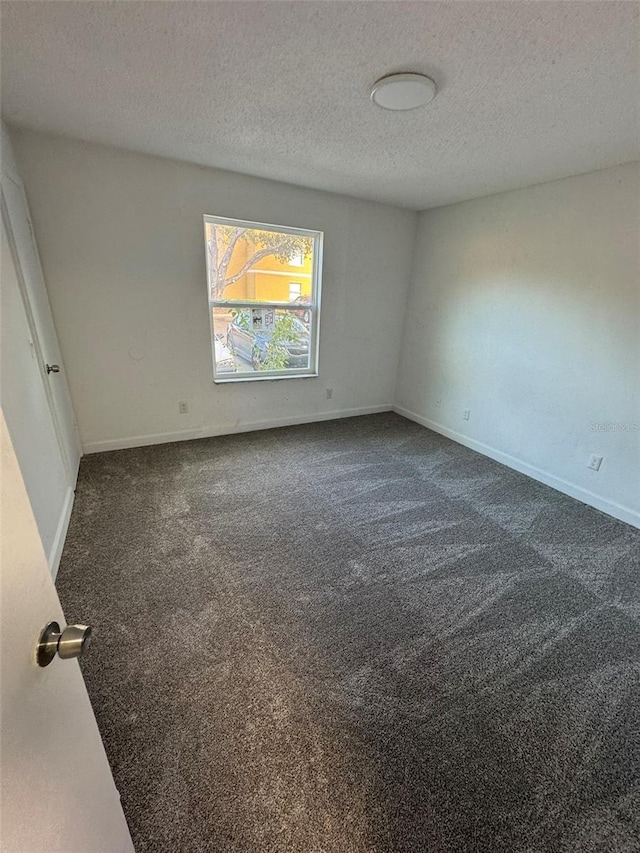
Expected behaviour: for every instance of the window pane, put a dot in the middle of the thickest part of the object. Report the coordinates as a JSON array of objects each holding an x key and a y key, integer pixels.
[
  {"x": 257, "y": 265},
  {"x": 261, "y": 339}
]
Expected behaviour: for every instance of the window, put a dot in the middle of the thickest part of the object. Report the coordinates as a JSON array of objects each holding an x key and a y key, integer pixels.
[
  {"x": 297, "y": 259},
  {"x": 263, "y": 325},
  {"x": 295, "y": 291}
]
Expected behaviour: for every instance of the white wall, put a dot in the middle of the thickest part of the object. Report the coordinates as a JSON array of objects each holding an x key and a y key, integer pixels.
[
  {"x": 121, "y": 242},
  {"x": 524, "y": 308}
]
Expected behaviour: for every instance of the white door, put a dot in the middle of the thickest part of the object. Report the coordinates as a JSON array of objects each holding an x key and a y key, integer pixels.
[
  {"x": 21, "y": 237},
  {"x": 37, "y": 404},
  {"x": 57, "y": 791},
  {"x": 28, "y": 414}
]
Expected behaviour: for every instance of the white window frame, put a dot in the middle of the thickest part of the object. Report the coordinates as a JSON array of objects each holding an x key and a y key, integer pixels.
[{"x": 313, "y": 305}]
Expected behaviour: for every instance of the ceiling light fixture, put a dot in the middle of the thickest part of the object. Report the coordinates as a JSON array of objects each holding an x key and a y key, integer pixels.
[{"x": 403, "y": 91}]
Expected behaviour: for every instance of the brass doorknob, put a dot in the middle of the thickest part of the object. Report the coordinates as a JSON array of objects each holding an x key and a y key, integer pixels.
[{"x": 70, "y": 643}]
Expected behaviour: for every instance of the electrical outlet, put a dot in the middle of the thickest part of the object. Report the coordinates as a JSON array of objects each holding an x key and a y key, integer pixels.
[
  {"x": 466, "y": 414},
  {"x": 329, "y": 393},
  {"x": 438, "y": 403},
  {"x": 183, "y": 407},
  {"x": 594, "y": 462}
]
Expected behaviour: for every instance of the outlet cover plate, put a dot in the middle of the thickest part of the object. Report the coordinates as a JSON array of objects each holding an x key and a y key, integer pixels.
[{"x": 594, "y": 462}]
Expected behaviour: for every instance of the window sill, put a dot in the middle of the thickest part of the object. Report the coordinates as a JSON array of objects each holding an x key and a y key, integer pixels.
[{"x": 267, "y": 377}]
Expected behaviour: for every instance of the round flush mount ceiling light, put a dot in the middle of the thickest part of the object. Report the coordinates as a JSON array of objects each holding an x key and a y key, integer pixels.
[{"x": 403, "y": 91}]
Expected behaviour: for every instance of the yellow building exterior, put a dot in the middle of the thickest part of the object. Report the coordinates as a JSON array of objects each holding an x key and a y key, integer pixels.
[{"x": 269, "y": 279}]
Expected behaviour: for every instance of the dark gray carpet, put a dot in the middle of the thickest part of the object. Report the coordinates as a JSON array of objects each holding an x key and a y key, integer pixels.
[{"x": 357, "y": 636}]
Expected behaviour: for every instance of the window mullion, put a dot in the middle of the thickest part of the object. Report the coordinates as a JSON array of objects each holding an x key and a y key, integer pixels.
[{"x": 285, "y": 306}]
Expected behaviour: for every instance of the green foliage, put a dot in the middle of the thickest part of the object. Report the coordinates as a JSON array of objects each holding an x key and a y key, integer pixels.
[
  {"x": 284, "y": 332},
  {"x": 241, "y": 319}
]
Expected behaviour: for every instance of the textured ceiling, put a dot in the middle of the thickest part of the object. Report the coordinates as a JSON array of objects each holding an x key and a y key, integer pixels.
[{"x": 528, "y": 91}]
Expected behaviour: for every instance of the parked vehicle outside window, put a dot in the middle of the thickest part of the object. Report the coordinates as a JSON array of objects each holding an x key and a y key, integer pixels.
[{"x": 285, "y": 346}]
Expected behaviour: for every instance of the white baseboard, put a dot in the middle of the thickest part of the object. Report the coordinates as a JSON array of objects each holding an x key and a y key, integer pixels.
[
  {"x": 61, "y": 533},
  {"x": 230, "y": 429},
  {"x": 618, "y": 511}
]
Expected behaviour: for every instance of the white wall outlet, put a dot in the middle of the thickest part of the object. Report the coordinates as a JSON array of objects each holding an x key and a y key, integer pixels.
[
  {"x": 438, "y": 401},
  {"x": 329, "y": 393},
  {"x": 183, "y": 407},
  {"x": 466, "y": 414},
  {"x": 594, "y": 462}
]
